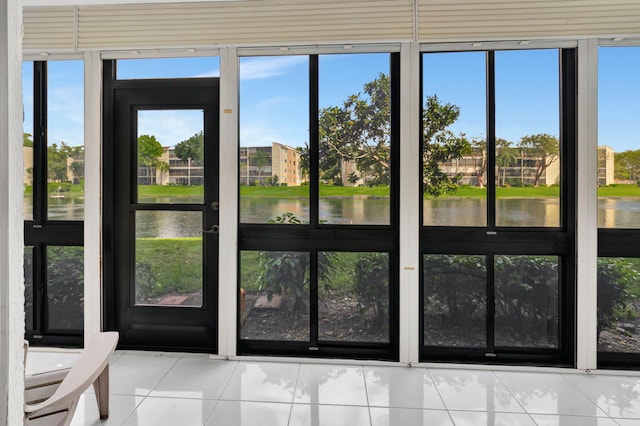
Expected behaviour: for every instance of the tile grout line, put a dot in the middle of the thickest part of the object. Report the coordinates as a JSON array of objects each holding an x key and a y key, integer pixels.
[
  {"x": 293, "y": 397},
  {"x": 444, "y": 404},
  {"x": 366, "y": 394},
  {"x": 495, "y": 374},
  {"x": 587, "y": 396}
]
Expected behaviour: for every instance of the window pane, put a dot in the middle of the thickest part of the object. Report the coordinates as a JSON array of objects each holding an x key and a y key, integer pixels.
[
  {"x": 150, "y": 68},
  {"x": 65, "y": 140},
  {"x": 65, "y": 287},
  {"x": 27, "y": 146},
  {"x": 455, "y": 300},
  {"x": 527, "y": 130},
  {"x": 353, "y": 301},
  {"x": 274, "y": 296},
  {"x": 526, "y": 293},
  {"x": 618, "y": 129},
  {"x": 454, "y": 139},
  {"x": 274, "y": 139},
  {"x": 28, "y": 287},
  {"x": 170, "y": 156},
  {"x": 355, "y": 138},
  {"x": 168, "y": 261},
  {"x": 618, "y": 296}
]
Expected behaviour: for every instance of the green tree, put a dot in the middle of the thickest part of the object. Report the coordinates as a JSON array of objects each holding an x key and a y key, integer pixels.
[
  {"x": 304, "y": 161},
  {"x": 627, "y": 165},
  {"x": 353, "y": 178},
  {"x": 544, "y": 148},
  {"x": 358, "y": 131},
  {"x": 27, "y": 139},
  {"x": 149, "y": 149},
  {"x": 191, "y": 148},
  {"x": 478, "y": 152},
  {"x": 56, "y": 163},
  {"x": 505, "y": 157},
  {"x": 439, "y": 145}
]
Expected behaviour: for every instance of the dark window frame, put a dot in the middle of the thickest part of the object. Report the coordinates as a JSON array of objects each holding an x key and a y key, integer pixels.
[
  {"x": 317, "y": 236},
  {"x": 41, "y": 232},
  {"x": 492, "y": 240}
]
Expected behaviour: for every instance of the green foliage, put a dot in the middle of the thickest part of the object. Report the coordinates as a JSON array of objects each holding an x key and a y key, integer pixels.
[
  {"x": 191, "y": 148},
  {"x": 27, "y": 139},
  {"x": 545, "y": 148},
  {"x": 57, "y": 160},
  {"x": 527, "y": 293},
  {"x": 617, "y": 290},
  {"x": 627, "y": 165},
  {"x": 440, "y": 145},
  {"x": 287, "y": 272},
  {"x": 146, "y": 282},
  {"x": 359, "y": 131},
  {"x": 65, "y": 286},
  {"x": 372, "y": 284},
  {"x": 506, "y": 156},
  {"x": 149, "y": 150},
  {"x": 454, "y": 287}
]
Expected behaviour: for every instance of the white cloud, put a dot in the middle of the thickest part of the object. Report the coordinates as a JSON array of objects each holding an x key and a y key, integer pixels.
[
  {"x": 259, "y": 68},
  {"x": 170, "y": 126}
]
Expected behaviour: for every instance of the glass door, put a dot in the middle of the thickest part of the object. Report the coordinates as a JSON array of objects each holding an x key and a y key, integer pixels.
[{"x": 163, "y": 210}]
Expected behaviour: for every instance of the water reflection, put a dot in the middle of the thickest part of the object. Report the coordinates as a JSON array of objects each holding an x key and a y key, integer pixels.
[
  {"x": 612, "y": 212},
  {"x": 344, "y": 211},
  {"x": 509, "y": 212}
]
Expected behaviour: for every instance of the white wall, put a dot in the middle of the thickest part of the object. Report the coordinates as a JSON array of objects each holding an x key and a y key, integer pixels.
[{"x": 11, "y": 239}]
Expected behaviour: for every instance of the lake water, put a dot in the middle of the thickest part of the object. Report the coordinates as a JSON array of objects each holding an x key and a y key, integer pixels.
[{"x": 612, "y": 213}]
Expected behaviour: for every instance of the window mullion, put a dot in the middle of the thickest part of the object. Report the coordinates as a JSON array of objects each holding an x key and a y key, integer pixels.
[
  {"x": 39, "y": 142},
  {"x": 314, "y": 155},
  {"x": 491, "y": 140}
]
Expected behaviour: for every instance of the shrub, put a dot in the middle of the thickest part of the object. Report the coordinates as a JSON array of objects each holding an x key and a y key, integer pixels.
[{"x": 372, "y": 284}]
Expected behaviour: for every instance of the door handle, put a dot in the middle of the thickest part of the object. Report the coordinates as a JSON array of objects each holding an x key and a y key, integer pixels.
[
  {"x": 214, "y": 230},
  {"x": 215, "y": 206}
]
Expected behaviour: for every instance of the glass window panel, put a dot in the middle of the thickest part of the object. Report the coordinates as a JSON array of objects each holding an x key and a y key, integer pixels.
[
  {"x": 170, "y": 156},
  {"x": 455, "y": 300},
  {"x": 454, "y": 139},
  {"x": 65, "y": 287},
  {"x": 618, "y": 130},
  {"x": 618, "y": 302},
  {"x": 151, "y": 68},
  {"x": 274, "y": 139},
  {"x": 27, "y": 146},
  {"x": 28, "y": 287},
  {"x": 355, "y": 139},
  {"x": 168, "y": 258},
  {"x": 353, "y": 296},
  {"x": 526, "y": 299},
  {"x": 527, "y": 129},
  {"x": 274, "y": 295},
  {"x": 65, "y": 140}
]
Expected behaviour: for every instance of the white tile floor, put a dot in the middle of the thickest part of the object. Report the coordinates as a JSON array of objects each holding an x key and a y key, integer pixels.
[{"x": 171, "y": 389}]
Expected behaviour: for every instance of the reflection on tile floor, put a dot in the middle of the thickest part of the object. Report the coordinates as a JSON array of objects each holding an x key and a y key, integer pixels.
[{"x": 172, "y": 389}]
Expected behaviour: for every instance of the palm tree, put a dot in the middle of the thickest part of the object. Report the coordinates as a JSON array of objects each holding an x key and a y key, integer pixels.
[{"x": 505, "y": 157}]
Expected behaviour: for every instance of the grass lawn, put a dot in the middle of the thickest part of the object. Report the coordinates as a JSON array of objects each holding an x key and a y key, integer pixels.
[
  {"x": 463, "y": 191},
  {"x": 175, "y": 265}
]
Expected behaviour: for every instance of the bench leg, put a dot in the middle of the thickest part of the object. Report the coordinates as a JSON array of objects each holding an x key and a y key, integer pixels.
[{"x": 101, "y": 388}]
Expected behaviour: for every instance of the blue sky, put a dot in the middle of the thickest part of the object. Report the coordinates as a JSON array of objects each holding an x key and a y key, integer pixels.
[{"x": 274, "y": 94}]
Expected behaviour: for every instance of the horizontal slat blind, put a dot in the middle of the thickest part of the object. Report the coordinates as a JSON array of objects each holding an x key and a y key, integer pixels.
[
  {"x": 193, "y": 24},
  {"x": 255, "y": 22},
  {"x": 49, "y": 28},
  {"x": 490, "y": 19}
]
